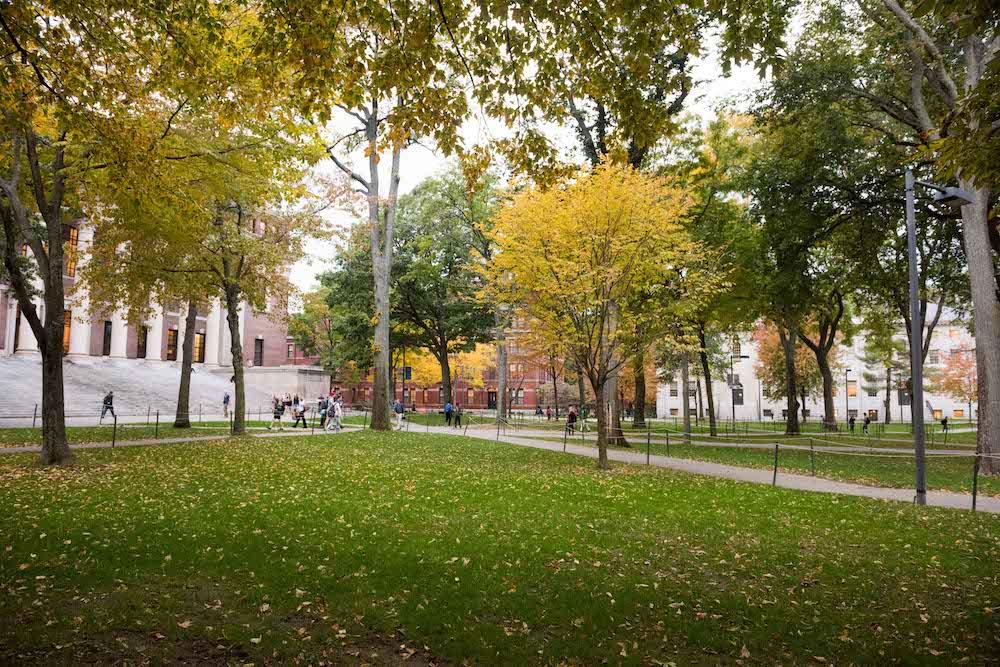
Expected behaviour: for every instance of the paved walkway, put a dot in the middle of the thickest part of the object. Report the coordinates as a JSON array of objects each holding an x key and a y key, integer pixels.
[{"x": 754, "y": 475}]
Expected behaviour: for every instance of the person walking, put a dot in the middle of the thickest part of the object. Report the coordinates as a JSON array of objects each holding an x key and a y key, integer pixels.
[
  {"x": 225, "y": 405},
  {"x": 278, "y": 410},
  {"x": 299, "y": 412},
  {"x": 338, "y": 414},
  {"x": 458, "y": 415},
  {"x": 548, "y": 413},
  {"x": 448, "y": 408},
  {"x": 323, "y": 405},
  {"x": 850, "y": 424},
  {"x": 397, "y": 407},
  {"x": 108, "y": 405},
  {"x": 571, "y": 421},
  {"x": 864, "y": 426}
]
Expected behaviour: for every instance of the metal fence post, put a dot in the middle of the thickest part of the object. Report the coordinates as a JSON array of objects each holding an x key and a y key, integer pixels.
[
  {"x": 147, "y": 414},
  {"x": 199, "y": 413},
  {"x": 975, "y": 481},
  {"x": 774, "y": 478},
  {"x": 156, "y": 432},
  {"x": 34, "y": 416},
  {"x": 114, "y": 431}
]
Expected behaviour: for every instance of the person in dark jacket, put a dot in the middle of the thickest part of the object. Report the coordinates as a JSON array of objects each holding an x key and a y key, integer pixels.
[{"x": 108, "y": 405}]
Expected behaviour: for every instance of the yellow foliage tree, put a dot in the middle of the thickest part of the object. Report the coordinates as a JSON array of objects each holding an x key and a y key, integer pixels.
[{"x": 600, "y": 265}]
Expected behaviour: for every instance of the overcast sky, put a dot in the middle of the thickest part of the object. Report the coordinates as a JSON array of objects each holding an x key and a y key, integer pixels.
[{"x": 712, "y": 91}]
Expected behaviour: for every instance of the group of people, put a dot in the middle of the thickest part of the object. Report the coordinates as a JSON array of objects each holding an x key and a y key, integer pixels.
[
  {"x": 331, "y": 411},
  {"x": 453, "y": 414},
  {"x": 864, "y": 426}
]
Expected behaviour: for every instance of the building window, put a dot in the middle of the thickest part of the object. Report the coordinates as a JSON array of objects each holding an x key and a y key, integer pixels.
[
  {"x": 106, "y": 347},
  {"x": 172, "y": 345},
  {"x": 141, "y": 336},
  {"x": 290, "y": 353},
  {"x": 692, "y": 388},
  {"x": 518, "y": 396},
  {"x": 516, "y": 369},
  {"x": 934, "y": 357},
  {"x": 673, "y": 412},
  {"x": 258, "y": 352},
  {"x": 67, "y": 325},
  {"x": 954, "y": 334},
  {"x": 958, "y": 412},
  {"x": 736, "y": 347},
  {"x": 199, "y": 348},
  {"x": 852, "y": 388},
  {"x": 872, "y": 391},
  {"x": 70, "y": 237},
  {"x": 938, "y": 414},
  {"x": 470, "y": 395},
  {"x": 768, "y": 413},
  {"x": 673, "y": 390}
]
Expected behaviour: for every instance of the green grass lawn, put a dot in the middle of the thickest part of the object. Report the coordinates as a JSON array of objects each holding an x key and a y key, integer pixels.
[
  {"x": 372, "y": 548},
  {"x": 23, "y": 437},
  {"x": 892, "y": 470}
]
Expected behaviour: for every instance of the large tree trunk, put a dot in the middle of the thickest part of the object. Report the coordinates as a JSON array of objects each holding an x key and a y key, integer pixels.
[
  {"x": 805, "y": 410},
  {"x": 829, "y": 420},
  {"x": 55, "y": 449},
  {"x": 601, "y": 412},
  {"x": 986, "y": 307},
  {"x": 445, "y": 376},
  {"x": 686, "y": 393},
  {"x": 555, "y": 387},
  {"x": 706, "y": 372},
  {"x": 581, "y": 389},
  {"x": 501, "y": 369},
  {"x": 613, "y": 401},
  {"x": 639, "y": 405},
  {"x": 699, "y": 414},
  {"x": 236, "y": 347},
  {"x": 183, "y": 417},
  {"x": 791, "y": 390}
]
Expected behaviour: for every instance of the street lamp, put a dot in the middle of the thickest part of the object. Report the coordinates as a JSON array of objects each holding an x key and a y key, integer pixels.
[
  {"x": 732, "y": 382},
  {"x": 955, "y": 198},
  {"x": 847, "y": 397}
]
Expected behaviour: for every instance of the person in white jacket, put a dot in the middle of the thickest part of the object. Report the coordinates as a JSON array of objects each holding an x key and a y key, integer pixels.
[{"x": 334, "y": 416}]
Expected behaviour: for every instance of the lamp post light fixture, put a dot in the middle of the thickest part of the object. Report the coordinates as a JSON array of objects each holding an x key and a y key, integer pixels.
[{"x": 955, "y": 198}]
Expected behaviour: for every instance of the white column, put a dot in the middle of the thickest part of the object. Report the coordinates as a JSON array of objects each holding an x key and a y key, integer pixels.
[
  {"x": 212, "y": 338},
  {"x": 243, "y": 329},
  {"x": 154, "y": 337},
  {"x": 119, "y": 335},
  {"x": 26, "y": 342},
  {"x": 79, "y": 329}
]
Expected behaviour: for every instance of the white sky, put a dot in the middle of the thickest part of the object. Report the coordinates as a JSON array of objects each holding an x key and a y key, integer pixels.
[{"x": 712, "y": 91}]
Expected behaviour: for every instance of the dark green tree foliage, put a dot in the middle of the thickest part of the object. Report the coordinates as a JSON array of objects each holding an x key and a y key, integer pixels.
[{"x": 435, "y": 283}]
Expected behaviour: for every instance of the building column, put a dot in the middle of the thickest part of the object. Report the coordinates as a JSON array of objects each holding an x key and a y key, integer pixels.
[
  {"x": 26, "y": 341},
  {"x": 119, "y": 335},
  {"x": 154, "y": 337},
  {"x": 79, "y": 328},
  {"x": 212, "y": 329}
]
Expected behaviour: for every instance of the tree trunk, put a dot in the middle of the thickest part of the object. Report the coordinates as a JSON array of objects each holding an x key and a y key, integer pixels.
[
  {"x": 706, "y": 372},
  {"x": 501, "y": 370},
  {"x": 888, "y": 394},
  {"x": 699, "y": 414},
  {"x": 639, "y": 405},
  {"x": 236, "y": 348},
  {"x": 183, "y": 419},
  {"x": 986, "y": 310},
  {"x": 55, "y": 449},
  {"x": 381, "y": 386},
  {"x": 802, "y": 394},
  {"x": 601, "y": 412},
  {"x": 823, "y": 361},
  {"x": 615, "y": 436},
  {"x": 791, "y": 390},
  {"x": 686, "y": 393},
  {"x": 581, "y": 389},
  {"x": 555, "y": 388},
  {"x": 445, "y": 376}
]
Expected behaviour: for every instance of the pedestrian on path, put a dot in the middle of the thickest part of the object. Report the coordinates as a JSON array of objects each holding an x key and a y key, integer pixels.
[
  {"x": 448, "y": 408},
  {"x": 397, "y": 407},
  {"x": 571, "y": 421},
  {"x": 850, "y": 423},
  {"x": 458, "y": 416},
  {"x": 336, "y": 416},
  {"x": 278, "y": 409},
  {"x": 864, "y": 427},
  {"x": 225, "y": 405},
  {"x": 299, "y": 412},
  {"x": 108, "y": 406},
  {"x": 944, "y": 424}
]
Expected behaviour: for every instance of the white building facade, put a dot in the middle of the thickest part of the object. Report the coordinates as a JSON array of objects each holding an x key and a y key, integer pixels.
[{"x": 854, "y": 394}]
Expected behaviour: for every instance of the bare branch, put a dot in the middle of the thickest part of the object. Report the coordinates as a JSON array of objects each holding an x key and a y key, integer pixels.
[{"x": 917, "y": 31}]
